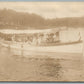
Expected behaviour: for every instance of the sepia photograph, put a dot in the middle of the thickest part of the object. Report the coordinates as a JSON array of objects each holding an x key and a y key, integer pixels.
[{"x": 42, "y": 41}]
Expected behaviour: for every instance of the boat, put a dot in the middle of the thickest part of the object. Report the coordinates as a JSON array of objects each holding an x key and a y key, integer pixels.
[{"x": 19, "y": 41}]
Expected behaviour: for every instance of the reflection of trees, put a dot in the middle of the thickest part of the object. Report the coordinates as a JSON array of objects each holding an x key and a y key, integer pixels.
[{"x": 51, "y": 68}]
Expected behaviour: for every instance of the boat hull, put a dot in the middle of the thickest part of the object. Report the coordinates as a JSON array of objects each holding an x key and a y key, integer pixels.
[{"x": 75, "y": 47}]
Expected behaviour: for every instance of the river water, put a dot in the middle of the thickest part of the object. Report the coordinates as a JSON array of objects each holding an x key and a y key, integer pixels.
[{"x": 15, "y": 65}]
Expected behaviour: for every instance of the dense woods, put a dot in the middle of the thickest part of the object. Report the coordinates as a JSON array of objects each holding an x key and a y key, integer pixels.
[{"x": 18, "y": 20}]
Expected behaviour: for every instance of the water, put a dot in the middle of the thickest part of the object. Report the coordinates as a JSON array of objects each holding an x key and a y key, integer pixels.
[{"x": 16, "y": 65}]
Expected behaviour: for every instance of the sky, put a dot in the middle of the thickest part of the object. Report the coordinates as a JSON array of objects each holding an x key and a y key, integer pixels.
[{"x": 47, "y": 9}]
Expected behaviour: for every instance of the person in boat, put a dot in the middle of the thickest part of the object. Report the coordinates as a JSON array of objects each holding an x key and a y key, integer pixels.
[
  {"x": 39, "y": 39},
  {"x": 45, "y": 37},
  {"x": 56, "y": 37}
]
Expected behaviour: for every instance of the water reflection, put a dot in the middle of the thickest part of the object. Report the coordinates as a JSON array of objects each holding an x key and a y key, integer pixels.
[
  {"x": 33, "y": 66},
  {"x": 51, "y": 68}
]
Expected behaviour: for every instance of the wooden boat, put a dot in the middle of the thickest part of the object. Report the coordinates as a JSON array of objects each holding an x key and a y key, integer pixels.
[
  {"x": 72, "y": 47},
  {"x": 58, "y": 46}
]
